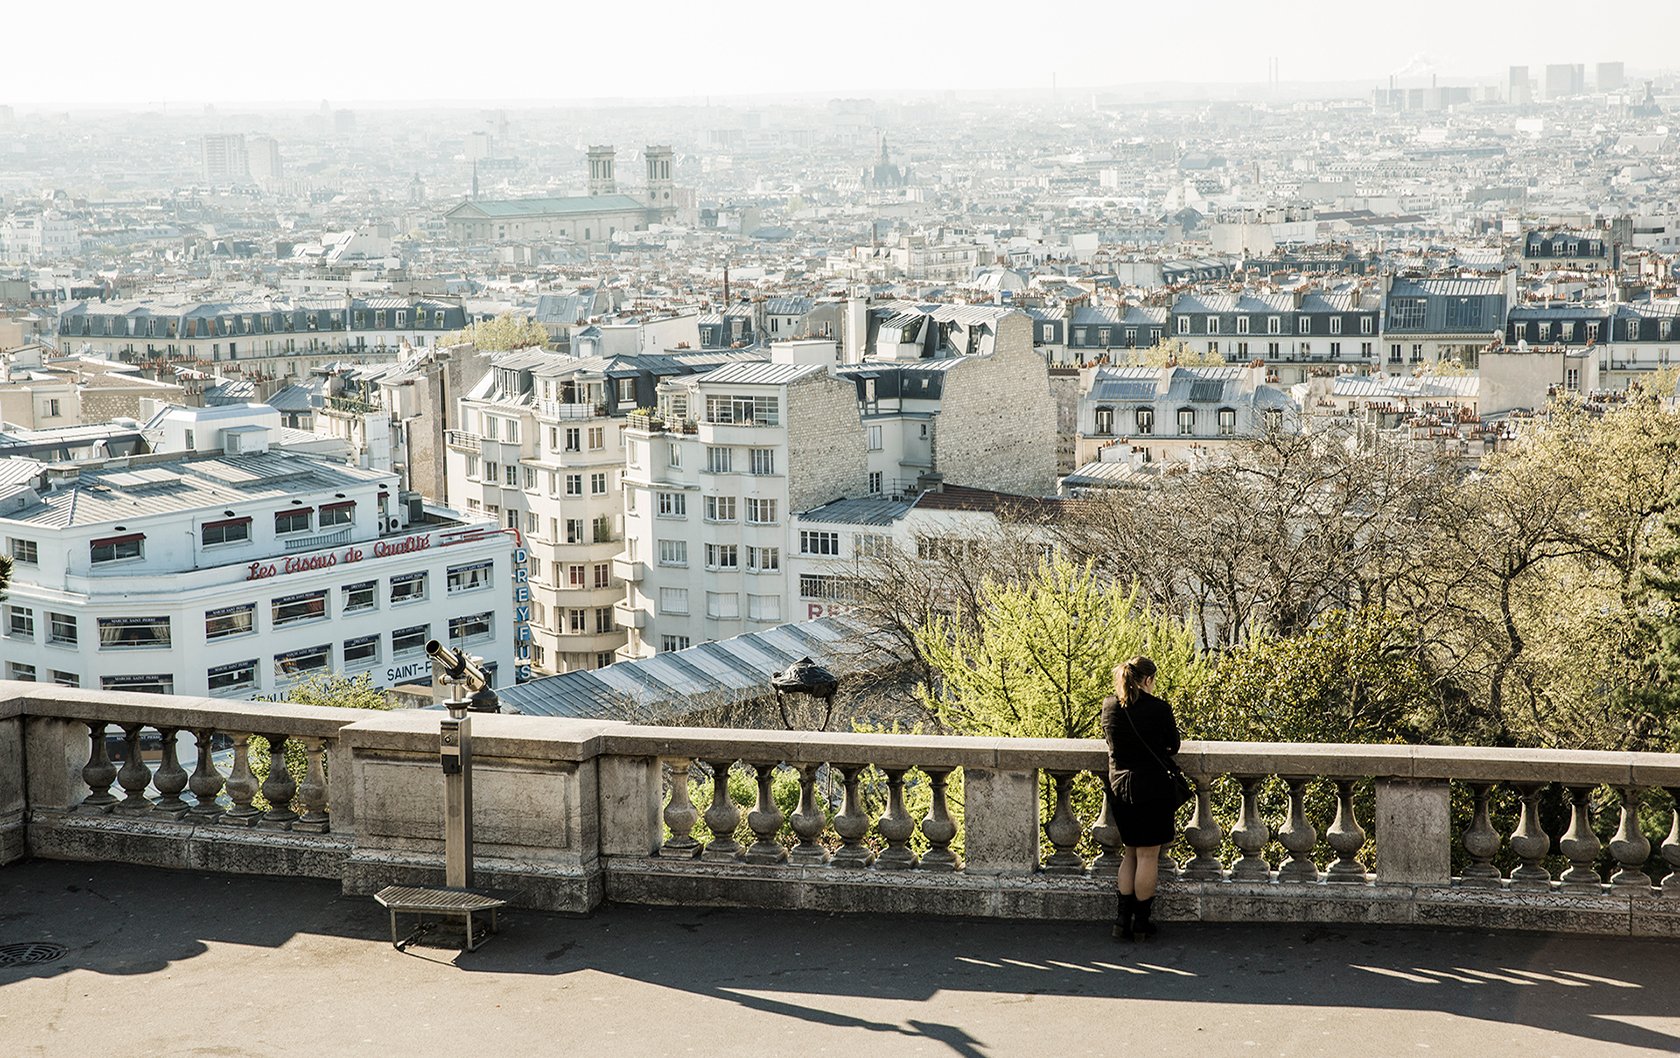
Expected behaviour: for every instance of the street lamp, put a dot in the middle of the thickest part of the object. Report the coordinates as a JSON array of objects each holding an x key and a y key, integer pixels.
[{"x": 805, "y": 677}]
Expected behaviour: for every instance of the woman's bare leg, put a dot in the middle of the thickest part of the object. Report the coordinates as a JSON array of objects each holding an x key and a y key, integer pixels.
[
  {"x": 1128, "y": 872},
  {"x": 1146, "y": 863}
]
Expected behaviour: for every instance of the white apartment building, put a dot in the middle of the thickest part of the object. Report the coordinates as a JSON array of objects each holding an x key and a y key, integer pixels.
[
  {"x": 1178, "y": 414},
  {"x": 540, "y": 454},
  {"x": 710, "y": 488},
  {"x": 235, "y": 570}
]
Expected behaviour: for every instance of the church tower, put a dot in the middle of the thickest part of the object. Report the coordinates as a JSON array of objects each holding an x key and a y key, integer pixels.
[
  {"x": 660, "y": 195},
  {"x": 601, "y": 180}
]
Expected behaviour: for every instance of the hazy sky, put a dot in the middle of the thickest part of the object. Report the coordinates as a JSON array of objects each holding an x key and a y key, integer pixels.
[{"x": 180, "y": 52}]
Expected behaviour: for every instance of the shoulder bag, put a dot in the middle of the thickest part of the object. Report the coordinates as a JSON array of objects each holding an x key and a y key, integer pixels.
[{"x": 1176, "y": 779}]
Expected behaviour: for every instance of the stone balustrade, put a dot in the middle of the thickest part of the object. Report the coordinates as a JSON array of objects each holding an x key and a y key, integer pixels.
[{"x": 568, "y": 813}]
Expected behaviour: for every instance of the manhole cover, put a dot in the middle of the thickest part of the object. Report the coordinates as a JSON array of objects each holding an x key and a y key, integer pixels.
[{"x": 30, "y": 953}]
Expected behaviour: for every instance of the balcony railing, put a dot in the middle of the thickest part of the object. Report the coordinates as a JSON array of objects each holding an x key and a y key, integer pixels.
[
  {"x": 320, "y": 541},
  {"x": 462, "y": 440},
  {"x": 1543, "y": 839}
]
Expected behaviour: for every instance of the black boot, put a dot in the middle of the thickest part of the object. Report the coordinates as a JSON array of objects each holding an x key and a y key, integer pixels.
[
  {"x": 1140, "y": 918},
  {"x": 1125, "y": 904}
]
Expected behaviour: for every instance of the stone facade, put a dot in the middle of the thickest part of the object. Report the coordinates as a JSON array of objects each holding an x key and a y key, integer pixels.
[{"x": 997, "y": 418}]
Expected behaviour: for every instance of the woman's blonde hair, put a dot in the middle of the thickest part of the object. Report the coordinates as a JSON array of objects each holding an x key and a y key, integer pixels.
[{"x": 1129, "y": 677}]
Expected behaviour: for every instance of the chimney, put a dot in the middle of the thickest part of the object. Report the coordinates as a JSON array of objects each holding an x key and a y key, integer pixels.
[{"x": 930, "y": 481}]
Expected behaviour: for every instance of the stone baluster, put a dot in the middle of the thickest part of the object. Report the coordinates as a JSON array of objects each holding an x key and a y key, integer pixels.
[
  {"x": 312, "y": 792},
  {"x": 1298, "y": 837},
  {"x": 134, "y": 775},
  {"x": 1345, "y": 838},
  {"x": 680, "y": 815},
  {"x": 1250, "y": 835},
  {"x": 1105, "y": 835},
  {"x": 852, "y": 821},
  {"x": 98, "y": 773},
  {"x": 1063, "y": 829},
  {"x": 1630, "y": 847},
  {"x": 938, "y": 827},
  {"x": 206, "y": 781},
  {"x": 1205, "y": 836},
  {"x": 279, "y": 787},
  {"x": 1671, "y": 847},
  {"x": 722, "y": 817},
  {"x": 241, "y": 785},
  {"x": 808, "y": 822},
  {"x": 1530, "y": 843},
  {"x": 765, "y": 820},
  {"x": 895, "y": 826},
  {"x": 171, "y": 778},
  {"x": 1580, "y": 844},
  {"x": 1481, "y": 843}
]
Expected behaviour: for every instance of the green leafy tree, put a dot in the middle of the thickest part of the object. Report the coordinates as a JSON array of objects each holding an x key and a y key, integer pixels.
[
  {"x": 1175, "y": 352},
  {"x": 507, "y": 331}
]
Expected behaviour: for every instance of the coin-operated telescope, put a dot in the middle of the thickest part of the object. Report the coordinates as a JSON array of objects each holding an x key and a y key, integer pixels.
[{"x": 469, "y": 692}]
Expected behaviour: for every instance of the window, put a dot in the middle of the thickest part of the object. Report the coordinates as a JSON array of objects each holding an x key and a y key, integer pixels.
[
  {"x": 66, "y": 679},
  {"x": 603, "y": 574},
  {"x": 361, "y": 651},
  {"x": 1303, "y": 324},
  {"x": 231, "y": 531},
  {"x": 673, "y": 505},
  {"x": 1335, "y": 325},
  {"x": 1145, "y": 421},
  {"x": 492, "y": 426},
  {"x": 1105, "y": 421},
  {"x": 510, "y": 474},
  {"x": 61, "y": 628},
  {"x": 1227, "y": 422},
  {"x": 574, "y": 484},
  {"x": 1592, "y": 333},
  {"x": 1274, "y": 324},
  {"x": 725, "y": 605},
  {"x": 574, "y": 438},
  {"x": 1242, "y": 324},
  {"x": 761, "y": 512},
  {"x": 1274, "y": 418},
  {"x": 410, "y": 640},
  {"x": 1187, "y": 420},
  {"x": 743, "y": 411},
  {"x": 598, "y": 484},
  {"x": 469, "y": 578},
  {"x": 764, "y": 607},
  {"x": 530, "y": 479},
  {"x": 492, "y": 472},
  {"x": 408, "y": 587},
  {"x": 1572, "y": 378},
  {"x": 297, "y": 521},
  {"x": 604, "y": 623},
  {"x": 336, "y": 514},
  {"x": 1405, "y": 312},
  {"x": 21, "y": 622},
  {"x": 116, "y": 548},
  {"x": 874, "y": 482},
  {"x": 818, "y": 543},
  {"x": 764, "y": 559},
  {"x": 817, "y": 586},
  {"x": 574, "y": 530},
  {"x": 597, "y": 438},
  {"x": 720, "y": 508},
  {"x": 295, "y": 664},
  {"x": 133, "y": 633},
  {"x": 233, "y": 677},
  {"x": 470, "y": 628},
  {"x": 870, "y": 545},
  {"x": 511, "y": 432},
  {"x": 577, "y": 622},
  {"x": 762, "y": 460},
  {"x": 673, "y": 552},
  {"x": 667, "y": 643},
  {"x": 26, "y": 552},
  {"x": 873, "y": 433},
  {"x": 577, "y": 575},
  {"x": 719, "y": 460},
  {"x": 1213, "y": 325},
  {"x": 230, "y": 621},
  {"x": 1184, "y": 325},
  {"x": 360, "y": 596},
  {"x": 1367, "y": 324},
  {"x": 161, "y": 683},
  {"x": 673, "y": 600},
  {"x": 721, "y": 556},
  {"x": 20, "y": 670},
  {"x": 308, "y": 606},
  {"x": 1464, "y": 313},
  {"x": 603, "y": 529}
]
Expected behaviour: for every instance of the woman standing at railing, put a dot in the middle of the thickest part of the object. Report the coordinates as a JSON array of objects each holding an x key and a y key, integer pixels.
[{"x": 1146, "y": 787}]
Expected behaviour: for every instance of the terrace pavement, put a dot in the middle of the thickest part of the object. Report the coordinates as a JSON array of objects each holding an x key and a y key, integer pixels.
[{"x": 164, "y": 962}]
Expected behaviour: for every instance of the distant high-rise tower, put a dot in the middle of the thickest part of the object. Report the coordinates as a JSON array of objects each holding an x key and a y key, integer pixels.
[
  {"x": 1564, "y": 79},
  {"x": 1517, "y": 90},
  {"x": 264, "y": 159},
  {"x": 1610, "y": 77},
  {"x": 659, "y": 185},
  {"x": 601, "y": 180},
  {"x": 225, "y": 159}
]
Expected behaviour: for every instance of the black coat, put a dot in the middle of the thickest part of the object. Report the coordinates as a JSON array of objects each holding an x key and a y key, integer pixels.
[{"x": 1141, "y": 743}]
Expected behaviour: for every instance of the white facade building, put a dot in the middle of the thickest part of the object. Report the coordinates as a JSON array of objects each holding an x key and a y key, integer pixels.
[{"x": 236, "y": 570}]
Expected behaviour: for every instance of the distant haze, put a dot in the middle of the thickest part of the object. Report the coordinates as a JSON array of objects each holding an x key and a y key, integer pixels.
[{"x": 150, "y": 55}]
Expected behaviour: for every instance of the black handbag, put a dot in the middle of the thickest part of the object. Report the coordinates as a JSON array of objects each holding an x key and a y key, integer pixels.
[{"x": 1176, "y": 779}]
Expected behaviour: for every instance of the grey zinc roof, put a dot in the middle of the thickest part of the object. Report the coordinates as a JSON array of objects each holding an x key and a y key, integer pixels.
[
  {"x": 539, "y": 207},
  {"x": 863, "y": 510},
  {"x": 665, "y": 686},
  {"x": 761, "y": 374}
]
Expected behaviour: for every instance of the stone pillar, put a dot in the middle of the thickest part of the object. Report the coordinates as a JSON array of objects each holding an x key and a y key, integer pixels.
[
  {"x": 13, "y": 845},
  {"x": 1414, "y": 832},
  {"x": 1000, "y": 821},
  {"x": 631, "y": 789}
]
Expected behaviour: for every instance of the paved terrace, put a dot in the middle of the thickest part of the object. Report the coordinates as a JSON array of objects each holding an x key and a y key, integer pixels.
[{"x": 178, "y": 962}]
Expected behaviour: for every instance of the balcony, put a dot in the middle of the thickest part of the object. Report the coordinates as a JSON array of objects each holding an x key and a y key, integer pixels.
[
  {"x": 321, "y": 541},
  {"x": 1363, "y": 834},
  {"x": 462, "y": 441},
  {"x": 628, "y": 570},
  {"x": 628, "y": 616}
]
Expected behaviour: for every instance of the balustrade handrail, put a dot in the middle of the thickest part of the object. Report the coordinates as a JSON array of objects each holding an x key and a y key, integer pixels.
[{"x": 173, "y": 711}]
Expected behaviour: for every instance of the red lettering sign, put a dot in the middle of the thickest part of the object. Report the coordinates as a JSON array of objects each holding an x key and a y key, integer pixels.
[{"x": 307, "y": 563}]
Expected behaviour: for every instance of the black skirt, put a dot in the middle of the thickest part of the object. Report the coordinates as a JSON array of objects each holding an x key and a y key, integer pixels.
[{"x": 1143, "y": 809}]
